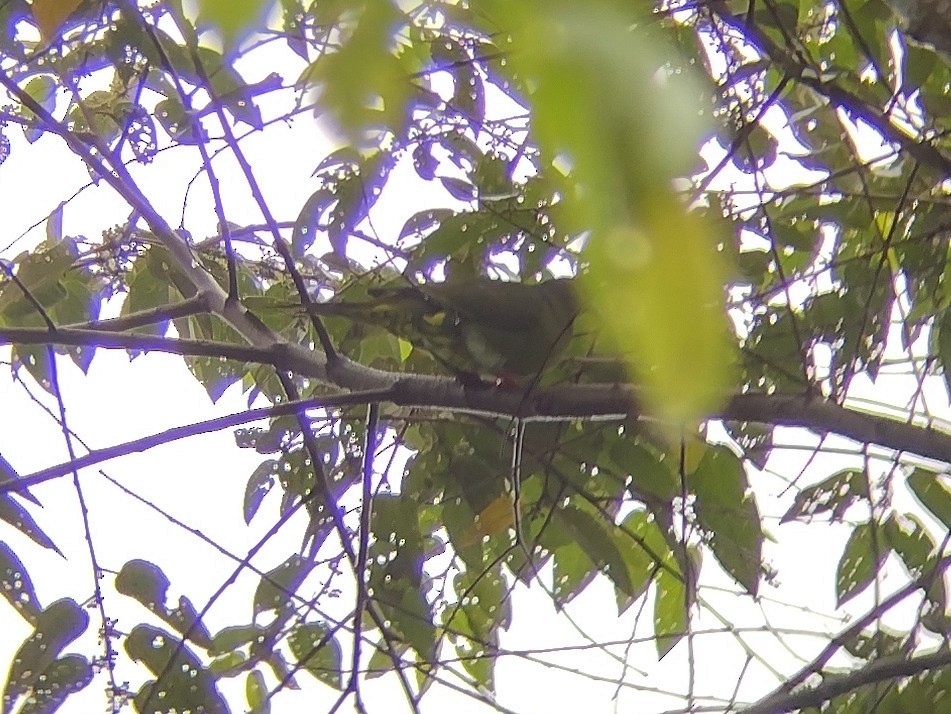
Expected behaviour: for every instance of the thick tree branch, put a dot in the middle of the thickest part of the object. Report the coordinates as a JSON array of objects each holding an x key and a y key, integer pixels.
[
  {"x": 304, "y": 362},
  {"x": 884, "y": 670},
  {"x": 583, "y": 401},
  {"x": 194, "y": 305},
  {"x": 98, "y": 456},
  {"x": 774, "y": 701}
]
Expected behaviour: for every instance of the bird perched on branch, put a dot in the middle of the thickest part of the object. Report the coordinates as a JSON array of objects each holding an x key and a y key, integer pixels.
[{"x": 475, "y": 327}]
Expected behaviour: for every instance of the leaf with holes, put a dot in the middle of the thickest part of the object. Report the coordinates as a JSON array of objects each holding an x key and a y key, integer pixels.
[
  {"x": 185, "y": 683},
  {"x": 918, "y": 551},
  {"x": 832, "y": 495},
  {"x": 145, "y": 582},
  {"x": 864, "y": 553},
  {"x": 727, "y": 511},
  {"x": 573, "y": 571},
  {"x": 473, "y": 623},
  {"x": 396, "y": 572},
  {"x": 16, "y": 585},
  {"x": 63, "y": 678},
  {"x": 594, "y": 534},
  {"x": 495, "y": 518},
  {"x": 670, "y": 611},
  {"x": 648, "y": 473},
  {"x": 318, "y": 652},
  {"x": 279, "y": 585},
  {"x": 484, "y": 601},
  {"x": 55, "y": 627},
  {"x": 308, "y": 222},
  {"x": 41, "y": 273},
  {"x": 645, "y": 552}
]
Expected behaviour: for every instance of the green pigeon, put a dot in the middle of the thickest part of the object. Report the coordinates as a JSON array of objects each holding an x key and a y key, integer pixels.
[{"x": 475, "y": 327}]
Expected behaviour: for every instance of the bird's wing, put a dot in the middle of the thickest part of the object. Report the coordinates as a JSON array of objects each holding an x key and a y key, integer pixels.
[{"x": 514, "y": 307}]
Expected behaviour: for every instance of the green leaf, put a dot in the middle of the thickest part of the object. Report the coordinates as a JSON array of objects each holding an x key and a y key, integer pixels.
[
  {"x": 400, "y": 596},
  {"x": 318, "y": 652},
  {"x": 573, "y": 572},
  {"x": 234, "y": 18},
  {"x": 278, "y": 586},
  {"x": 484, "y": 606},
  {"x": 597, "y": 538},
  {"x": 755, "y": 440},
  {"x": 648, "y": 473},
  {"x": 18, "y": 517},
  {"x": 63, "y": 678},
  {"x": 670, "y": 612},
  {"x": 259, "y": 485},
  {"x": 55, "y": 627},
  {"x": 381, "y": 662},
  {"x": 364, "y": 81},
  {"x": 228, "y": 664},
  {"x": 944, "y": 345},
  {"x": 663, "y": 308},
  {"x": 84, "y": 297},
  {"x": 307, "y": 225},
  {"x": 912, "y": 542},
  {"x": 255, "y": 691},
  {"x": 182, "y": 125},
  {"x": 864, "y": 553},
  {"x": 231, "y": 638},
  {"x": 145, "y": 582},
  {"x": 833, "y": 495},
  {"x": 468, "y": 91},
  {"x": 185, "y": 684},
  {"x": 8, "y": 473},
  {"x": 646, "y": 554},
  {"x": 17, "y": 586},
  {"x": 42, "y": 89},
  {"x": 104, "y": 114},
  {"x": 148, "y": 287},
  {"x": 473, "y": 623},
  {"x": 41, "y": 272},
  {"x": 918, "y": 551},
  {"x": 727, "y": 512},
  {"x": 930, "y": 488}
]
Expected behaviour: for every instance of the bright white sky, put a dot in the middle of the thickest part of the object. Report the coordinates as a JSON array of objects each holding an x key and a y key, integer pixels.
[{"x": 200, "y": 481}]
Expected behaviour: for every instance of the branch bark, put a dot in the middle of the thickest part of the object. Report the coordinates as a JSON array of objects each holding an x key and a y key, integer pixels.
[
  {"x": 883, "y": 670},
  {"x": 559, "y": 403}
]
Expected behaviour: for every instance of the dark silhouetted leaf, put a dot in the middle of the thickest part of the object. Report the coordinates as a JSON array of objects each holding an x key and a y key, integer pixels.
[
  {"x": 16, "y": 585},
  {"x": 865, "y": 551},
  {"x": 727, "y": 511}
]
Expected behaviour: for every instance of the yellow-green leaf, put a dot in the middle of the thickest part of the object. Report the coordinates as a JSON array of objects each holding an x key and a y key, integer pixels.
[
  {"x": 233, "y": 17},
  {"x": 50, "y": 14}
]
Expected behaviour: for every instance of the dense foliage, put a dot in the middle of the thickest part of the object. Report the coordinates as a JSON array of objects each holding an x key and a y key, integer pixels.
[{"x": 785, "y": 283}]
